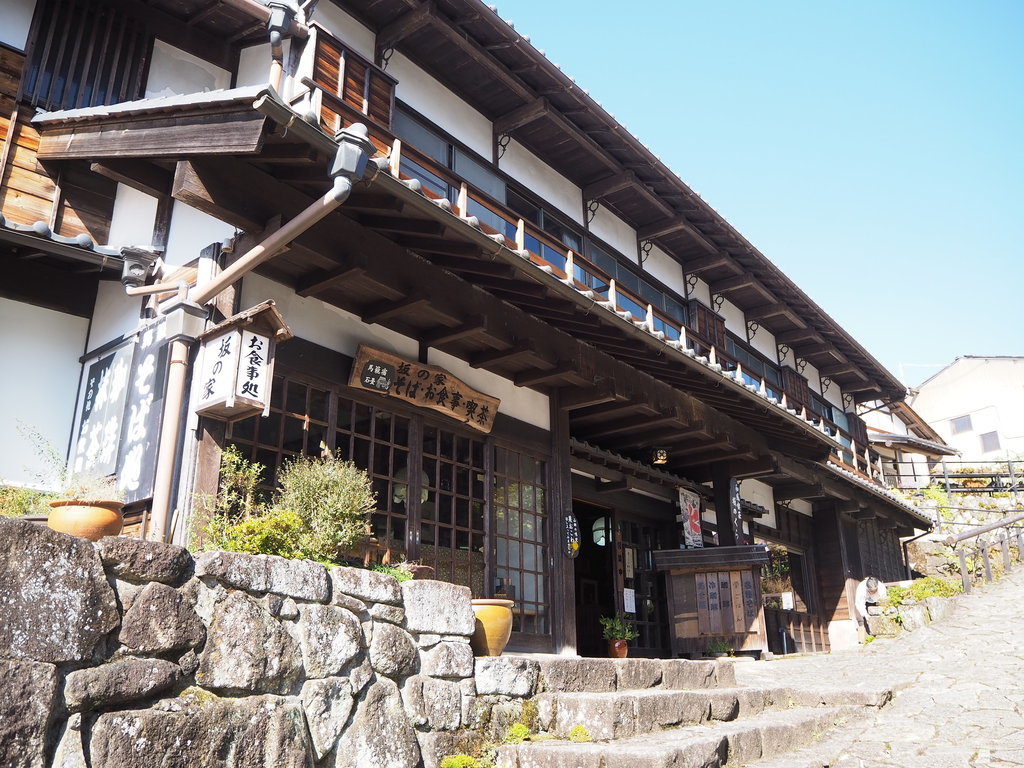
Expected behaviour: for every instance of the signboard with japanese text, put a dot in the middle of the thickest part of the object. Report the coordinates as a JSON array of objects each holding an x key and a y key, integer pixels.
[
  {"x": 689, "y": 516},
  {"x": 424, "y": 385},
  {"x": 235, "y": 375},
  {"x": 97, "y": 438}
]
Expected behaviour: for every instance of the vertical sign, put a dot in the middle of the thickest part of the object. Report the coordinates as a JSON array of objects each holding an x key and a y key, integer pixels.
[
  {"x": 736, "y": 509},
  {"x": 99, "y": 425},
  {"x": 750, "y": 607},
  {"x": 703, "y": 611},
  {"x": 143, "y": 414},
  {"x": 629, "y": 601},
  {"x": 736, "y": 584},
  {"x": 689, "y": 513},
  {"x": 714, "y": 608},
  {"x": 253, "y": 367},
  {"x": 220, "y": 361}
]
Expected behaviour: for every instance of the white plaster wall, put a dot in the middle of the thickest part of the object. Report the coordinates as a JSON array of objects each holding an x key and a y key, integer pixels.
[
  {"x": 789, "y": 359},
  {"x": 802, "y": 506},
  {"x": 734, "y": 319},
  {"x": 192, "y": 231},
  {"x": 764, "y": 342},
  {"x": 133, "y": 218},
  {"x": 663, "y": 267},
  {"x": 50, "y": 343},
  {"x": 614, "y": 231},
  {"x": 115, "y": 314},
  {"x": 172, "y": 71},
  {"x": 834, "y": 395},
  {"x": 15, "y": 21},
  {"x": 346, "y": 28},
  {"x": 517, "y": 402},
  {"x": 533, "y": 173},
  {"x": 761, "y": 494},
  {"x": 322, "y": 323},
  {"x": 442, "y": 107},
  {"x": 254, "y": 66},
  {"x": 813, "y": 380},
  {"x": 702, "y": 293}
]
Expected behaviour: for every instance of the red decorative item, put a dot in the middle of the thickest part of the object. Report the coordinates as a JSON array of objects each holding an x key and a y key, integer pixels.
[{"x": 618, "y": 649}]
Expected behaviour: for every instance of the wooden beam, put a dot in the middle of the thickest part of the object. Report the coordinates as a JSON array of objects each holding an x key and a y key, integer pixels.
[
  {"x": 574, "y": 399},
  {"x": 395, "y": 31},
  {"x": 625, "y": 426},
  {"x": 798, "y": 491},
  {"x": 766, "y": 311},
  {"x": 520, "y": 116},
  {"x": 322, "y": 279},
  {"x": 712, "y": 261},
  {"x": 209, "y": 187},
  {"x": 795, "y": 335},
  {"x": 472, "y": 326},
  {"x": 611, "y": 486},
  {"x": 498, "y": 356},
  {"x": 437, "y": 245},
  {"x": 533, "y": 378},
  {"x": 385, "y": 310},
  {"x": 742, "y": 281},
  {"x": 138, "y": 174},
  {"x": 663, "y": 227},
  {"x": 473, "y": 266},
  {"x": 610, "y": 185},
  {"x": 401, "y": 224},
  {"x": 864, "y": 514}
]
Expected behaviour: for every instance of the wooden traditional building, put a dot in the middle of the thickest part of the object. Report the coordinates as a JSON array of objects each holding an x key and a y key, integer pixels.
[{"x": 552, "y": 356}]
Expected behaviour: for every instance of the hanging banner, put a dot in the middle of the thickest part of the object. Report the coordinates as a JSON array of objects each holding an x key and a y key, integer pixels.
[
  {"x": 424, "y": 385},
  {"x": 689, "y": 516}
]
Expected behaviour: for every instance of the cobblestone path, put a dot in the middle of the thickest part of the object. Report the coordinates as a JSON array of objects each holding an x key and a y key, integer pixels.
[{"x": 959, "y": 690}]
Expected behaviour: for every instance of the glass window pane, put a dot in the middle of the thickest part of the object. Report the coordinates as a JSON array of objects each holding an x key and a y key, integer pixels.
[
  {"x": 427, "y": 142},
  {"x": 479, "y": 176}
]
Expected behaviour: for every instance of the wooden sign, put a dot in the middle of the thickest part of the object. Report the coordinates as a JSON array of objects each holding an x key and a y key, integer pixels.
[
  {"x": 235, "y": 375},
  {"x": 424, "y": 385}
]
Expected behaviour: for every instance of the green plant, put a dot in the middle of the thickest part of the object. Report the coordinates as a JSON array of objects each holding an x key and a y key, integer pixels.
[
  {"x": 400, "y": 571},
  {"x": 617, "y": 627},
  {"x": 516, "y": 734},
  {"x": 238, "y": 494},
  {"x": 18, "y": 502},
  {"x": 460, "y": 761},
  {"x": 930, "y": 586},
  {"x": 868, "y": 639},
  {"x": 67, "y": 483},
  {"x": 580, "y": 734},
  {"x": 719, "y": 645},
  {"x": 276, "y": 532},
  {"x": 334, "y": 498}
]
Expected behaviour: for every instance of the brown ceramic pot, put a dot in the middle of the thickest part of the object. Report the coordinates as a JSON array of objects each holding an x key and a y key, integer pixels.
[
  {"x": 88, "y": 519},
  {"x": 618, "y": 649},
  {"x": 493, "y": 626}
]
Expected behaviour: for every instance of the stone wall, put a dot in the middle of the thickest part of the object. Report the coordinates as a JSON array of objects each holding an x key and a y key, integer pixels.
[{"x": 132, "y": 653}]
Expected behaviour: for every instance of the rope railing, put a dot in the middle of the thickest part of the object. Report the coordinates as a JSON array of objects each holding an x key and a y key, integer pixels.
[{"x": 1007, "y": 527}]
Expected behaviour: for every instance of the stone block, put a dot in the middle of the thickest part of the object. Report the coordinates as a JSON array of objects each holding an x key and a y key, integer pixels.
[
  {"x": 637, "y": 674},
  {"x": 939, "y": 607},
  {"x": 55, "y": 604},
  {"x": 383, "y": 612},
  {"x": 70, "y": 752},
  {"x": 913, "y": 616},
  {"x": 883, "y": 626},
  {"x": 436, "y": 704},
  {"x": 142, "y": 560},
  {"x": 447, "y": 659},
  {"x": 118, "y": 682},
  {"x": 568, "y": 675},
  {"x": 506, "y": 676},
  {"x": 379, "y": 711},
  {"x": 248, "y": 651},
  {"x": 331, "y": 638},
  {"x": 29, "y": 694},
  {"x": 201, "y": 730},
  {"x": 301, "y": 579},
  {"x": 683, "y": 674},
  {"x": 161, "y": 619},
  {"x": 327, "y": 704},
  {"x": 366, "y": 585},
  {"x": 392, "y": 651},
  {"x": 438, "y": 607},
  {"x": 235, "y": 569}
]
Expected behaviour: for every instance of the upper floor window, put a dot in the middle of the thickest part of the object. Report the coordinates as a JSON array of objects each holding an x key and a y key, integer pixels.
[
  {"x": 86, "y": 54},
  {"x": 755, "y": 368},
  {"x": 960, "y": 424},
  {"x": 989, "y": 441}
]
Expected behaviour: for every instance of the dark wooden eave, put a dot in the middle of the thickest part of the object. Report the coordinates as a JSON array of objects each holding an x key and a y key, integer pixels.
[{"x": 394, "y": 257}]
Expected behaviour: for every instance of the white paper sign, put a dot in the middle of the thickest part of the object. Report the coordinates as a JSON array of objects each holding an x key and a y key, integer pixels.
[
  {"x": 220, "y": 362},
  {"x": 629, "y": 600},
  {"x": 253, "y": 367}
]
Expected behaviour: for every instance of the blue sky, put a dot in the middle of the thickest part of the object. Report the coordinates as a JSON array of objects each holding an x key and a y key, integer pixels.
[{"x": 873, "y": 150}]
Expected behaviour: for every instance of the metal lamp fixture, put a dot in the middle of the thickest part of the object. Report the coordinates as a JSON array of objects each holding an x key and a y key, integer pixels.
[{"x": 659, "y": 456}]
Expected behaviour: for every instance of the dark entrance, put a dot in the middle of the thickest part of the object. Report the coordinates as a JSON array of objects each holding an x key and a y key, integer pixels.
[{"x": 595, "y": 577}]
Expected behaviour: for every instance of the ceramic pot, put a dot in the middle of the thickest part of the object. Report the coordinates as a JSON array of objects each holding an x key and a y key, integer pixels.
[
  {"x": 88, "y": 519},
  {"x": 493, "y": 626},
  {"x": 618, "y": 649}
]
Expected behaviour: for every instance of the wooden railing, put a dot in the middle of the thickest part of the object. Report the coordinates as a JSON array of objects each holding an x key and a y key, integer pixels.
[
  {"x": 795, "y": 632},
  {"x": 976, "y": 560}
]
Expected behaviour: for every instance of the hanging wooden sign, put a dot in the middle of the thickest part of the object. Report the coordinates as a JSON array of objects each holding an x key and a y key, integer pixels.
[{"x": 424, "y": 385}]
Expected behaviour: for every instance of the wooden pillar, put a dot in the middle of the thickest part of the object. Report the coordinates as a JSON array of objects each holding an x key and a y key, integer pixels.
[
  {"x": 563, "y": 582},
  {"x": 728, "y": 536}
]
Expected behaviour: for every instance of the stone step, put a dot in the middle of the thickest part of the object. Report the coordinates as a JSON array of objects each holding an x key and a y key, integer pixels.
[
  {"x": 623, "y": 714},
  {"x": 586, "y": 675},
  {"x": 737, "y": 742}
]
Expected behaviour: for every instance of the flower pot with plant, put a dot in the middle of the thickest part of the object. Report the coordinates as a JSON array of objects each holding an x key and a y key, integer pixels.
[
  {"x": 718, "y": 647},
  {"x": 618, "y": 631}
]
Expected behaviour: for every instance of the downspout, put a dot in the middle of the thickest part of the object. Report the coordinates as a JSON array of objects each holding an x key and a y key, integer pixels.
[
  {"x": 350, "y": 164},
  {"x": 282, "y": 17}
]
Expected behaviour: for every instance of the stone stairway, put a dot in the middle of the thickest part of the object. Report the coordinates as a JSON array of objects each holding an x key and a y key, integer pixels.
[{"x": 649, "y": 713}]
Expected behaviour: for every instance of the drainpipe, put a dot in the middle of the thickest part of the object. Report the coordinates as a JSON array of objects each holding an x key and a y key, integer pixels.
[
  {"x": 263, "y": 12},
  {"x": 185, "y": 317},
  {"x": 282, "y": 16}
]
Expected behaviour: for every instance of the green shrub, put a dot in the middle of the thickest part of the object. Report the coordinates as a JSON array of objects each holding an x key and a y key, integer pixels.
[
  {"x": 617, "y": 627},
  {"x": 399, "y": 571},
  {"x": 580, "y": 734},
  {"x": 334, "y": 498},
  {"x": 930, "y": 586},
  {"x": 17, "y": 502},
  {"x": 277, "y": 532},
  {"x": 460, "y": 761}
]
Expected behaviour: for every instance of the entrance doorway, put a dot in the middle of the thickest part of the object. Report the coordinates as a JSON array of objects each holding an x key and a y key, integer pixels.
[{"x": 595, "y": 577}]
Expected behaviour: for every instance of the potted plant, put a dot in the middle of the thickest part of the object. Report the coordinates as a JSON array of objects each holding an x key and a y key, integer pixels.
[
  {"x": 88, "y": 506},
  {"x": 718, "y": 647},
  {"x": 618, "y": 631}
]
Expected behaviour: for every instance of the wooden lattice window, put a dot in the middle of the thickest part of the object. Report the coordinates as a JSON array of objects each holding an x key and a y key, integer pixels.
[
  {"x": 354, "y": 81},
  {"x": 709, "y": 326},
  {"x": 795, "y": 387},
  {"x": 87, "y": 54}
]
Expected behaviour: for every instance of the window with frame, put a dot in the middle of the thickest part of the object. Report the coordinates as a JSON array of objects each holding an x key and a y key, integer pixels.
[
  {"x": 960, "y": 424},
  {"x": 989, "y": 441},
  {"x": 755, "y": 368}
]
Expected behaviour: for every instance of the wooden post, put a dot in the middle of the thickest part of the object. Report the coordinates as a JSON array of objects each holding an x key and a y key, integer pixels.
[
  {"x": 570, "y": 268},
  {"x": 395, "y": 158},
  {"x": 965, "y": 577},
  {"x": 463, "y": 202},
  {"x": 563, "y": 581},
  {"x": 520, "y": 235},
  {"x": 984, "y": 556}
]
